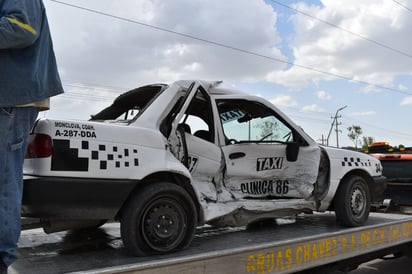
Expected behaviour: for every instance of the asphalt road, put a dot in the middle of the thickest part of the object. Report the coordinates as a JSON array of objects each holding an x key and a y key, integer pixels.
[
  {"x": 387, "y": 265},
  {"x": 402, "y": 265}
]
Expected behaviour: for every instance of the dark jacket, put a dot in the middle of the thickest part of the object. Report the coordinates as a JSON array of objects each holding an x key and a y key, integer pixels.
[{"x": 28, "y": 70}]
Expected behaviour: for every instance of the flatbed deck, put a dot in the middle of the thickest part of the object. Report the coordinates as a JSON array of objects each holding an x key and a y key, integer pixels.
[{"x": 311, "y": 241}]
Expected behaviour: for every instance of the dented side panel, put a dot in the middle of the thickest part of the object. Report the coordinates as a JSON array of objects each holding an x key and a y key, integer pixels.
[{"x": 264, "y": 171}]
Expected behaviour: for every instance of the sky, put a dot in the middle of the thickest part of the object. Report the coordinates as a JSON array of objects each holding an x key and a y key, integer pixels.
[{"x": 309, "y": 58}]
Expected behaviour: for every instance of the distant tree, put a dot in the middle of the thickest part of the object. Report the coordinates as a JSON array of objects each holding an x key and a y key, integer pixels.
[
  {"x": 268, "y": 128},
  {"x": 354, "y": 134},
  {"x": 366, "y": 142}
]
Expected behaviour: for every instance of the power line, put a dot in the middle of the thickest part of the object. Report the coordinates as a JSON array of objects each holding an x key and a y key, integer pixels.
[
  {"x": 84, "y": 85},
  {"x": 90, "y": 97},
  {"x": 402, "y": 5},
  {"x": 86, "y": 98},
  {"x": 233, "y": 48},
  {"x": 391, "y": 131},
  {"x": 346, "y": 30}
]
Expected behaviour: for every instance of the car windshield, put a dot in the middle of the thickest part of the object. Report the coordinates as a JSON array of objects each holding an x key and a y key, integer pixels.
[{"x": 129, "y": 105}]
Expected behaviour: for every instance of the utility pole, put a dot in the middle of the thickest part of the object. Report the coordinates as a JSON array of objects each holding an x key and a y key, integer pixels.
[
  {"x": 323, "y": 140},
  {"x": 335, "y": 124}
]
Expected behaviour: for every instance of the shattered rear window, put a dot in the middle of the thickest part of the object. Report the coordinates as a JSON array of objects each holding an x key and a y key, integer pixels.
[{"x": 130, "y": 105}]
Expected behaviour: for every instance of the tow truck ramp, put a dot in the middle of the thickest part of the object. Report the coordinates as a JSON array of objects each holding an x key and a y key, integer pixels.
[{"x": 310, "y": 241}]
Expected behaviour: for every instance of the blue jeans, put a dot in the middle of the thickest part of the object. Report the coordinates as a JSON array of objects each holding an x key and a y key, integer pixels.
[{"x": 15, "y": 126}]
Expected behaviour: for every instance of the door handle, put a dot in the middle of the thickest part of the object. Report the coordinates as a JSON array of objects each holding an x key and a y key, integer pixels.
[{"x": 236, "y": 155}]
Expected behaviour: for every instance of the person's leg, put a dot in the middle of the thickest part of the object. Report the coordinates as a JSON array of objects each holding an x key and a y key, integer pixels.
[{"x": 15, "y": 124}]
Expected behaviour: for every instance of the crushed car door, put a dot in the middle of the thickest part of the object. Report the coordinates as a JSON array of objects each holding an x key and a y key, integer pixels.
[
  {"x": 260, "y": 153},
  {"x": 195, "y": 129}
]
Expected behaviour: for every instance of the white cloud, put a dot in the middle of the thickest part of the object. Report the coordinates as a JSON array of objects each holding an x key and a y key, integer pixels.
[
  {"x": 312, "y": 108},
  {"x": 94, "y": 48},
  {"x": 323, "y": 95},
  {"x": 107, "y": 51},
  {"x": 334, "y": 51},
  {"x": 121, "y": 53},
  {"x": 402, "y": 87},
  {"x": 284, "y": 101},
  {"x": 406, "y": 101}
]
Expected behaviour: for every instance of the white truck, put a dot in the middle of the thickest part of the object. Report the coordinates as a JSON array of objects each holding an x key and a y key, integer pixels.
[{"x": 165, "y": 159}]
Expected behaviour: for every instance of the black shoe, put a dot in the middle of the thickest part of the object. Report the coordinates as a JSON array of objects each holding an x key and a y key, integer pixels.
[{"x": 3, "y": 267}]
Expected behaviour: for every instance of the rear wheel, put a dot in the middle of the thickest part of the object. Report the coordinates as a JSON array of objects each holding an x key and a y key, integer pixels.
[
  {"x": 352, "y": 201},
  {"x": 161, "y": 218}
]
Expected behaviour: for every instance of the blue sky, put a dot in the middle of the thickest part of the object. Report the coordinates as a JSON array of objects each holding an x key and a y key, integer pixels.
[{"x": 101, "y": 56}]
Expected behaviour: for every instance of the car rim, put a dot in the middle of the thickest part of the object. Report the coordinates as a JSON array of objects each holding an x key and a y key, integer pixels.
[
  {"x": 164, "y": 224},
  {"x": 358, "y": 201}
]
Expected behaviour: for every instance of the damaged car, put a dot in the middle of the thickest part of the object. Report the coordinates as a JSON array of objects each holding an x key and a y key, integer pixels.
[{"x": 165, "y": 159}]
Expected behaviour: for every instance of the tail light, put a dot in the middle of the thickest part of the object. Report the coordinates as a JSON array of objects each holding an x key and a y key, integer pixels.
[{"x": 40, "y": 146}]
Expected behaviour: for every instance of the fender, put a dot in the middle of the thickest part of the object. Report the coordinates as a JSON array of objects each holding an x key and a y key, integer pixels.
[{"x": 343, "y": 162}]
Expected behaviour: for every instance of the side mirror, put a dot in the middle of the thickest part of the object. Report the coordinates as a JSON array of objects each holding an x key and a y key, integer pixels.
[{"x": 292, "y": 152}]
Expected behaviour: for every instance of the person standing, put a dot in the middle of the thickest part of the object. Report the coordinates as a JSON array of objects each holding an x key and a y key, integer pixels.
[{"x": 28, "y": 78}]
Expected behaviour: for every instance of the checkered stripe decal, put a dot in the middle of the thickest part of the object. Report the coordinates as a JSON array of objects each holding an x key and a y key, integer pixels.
[
  {"x": 109, "y": 156},
  {"x": 350, "y": 161}
]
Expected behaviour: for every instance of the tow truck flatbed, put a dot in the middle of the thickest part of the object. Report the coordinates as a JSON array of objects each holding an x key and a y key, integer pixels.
[{"x": 312, "y": 241}]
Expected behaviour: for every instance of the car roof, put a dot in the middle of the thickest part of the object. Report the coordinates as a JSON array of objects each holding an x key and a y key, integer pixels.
[{"x": 213, "y": 87}]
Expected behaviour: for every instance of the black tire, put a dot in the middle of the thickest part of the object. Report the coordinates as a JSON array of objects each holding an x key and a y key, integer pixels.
[
  {"x": 352, "y": 201},
  {"x": 161, "y": 218}
]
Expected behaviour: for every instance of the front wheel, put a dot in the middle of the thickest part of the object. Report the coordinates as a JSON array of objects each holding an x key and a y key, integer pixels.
[
  {"x": 352, "y": 201},
  {"x": 161, "y": 218}
]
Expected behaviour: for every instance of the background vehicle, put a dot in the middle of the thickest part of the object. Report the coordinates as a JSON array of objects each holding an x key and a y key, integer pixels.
[
  {"x": 397, "y": 168},
  {"x": 165, "y": 159}
]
